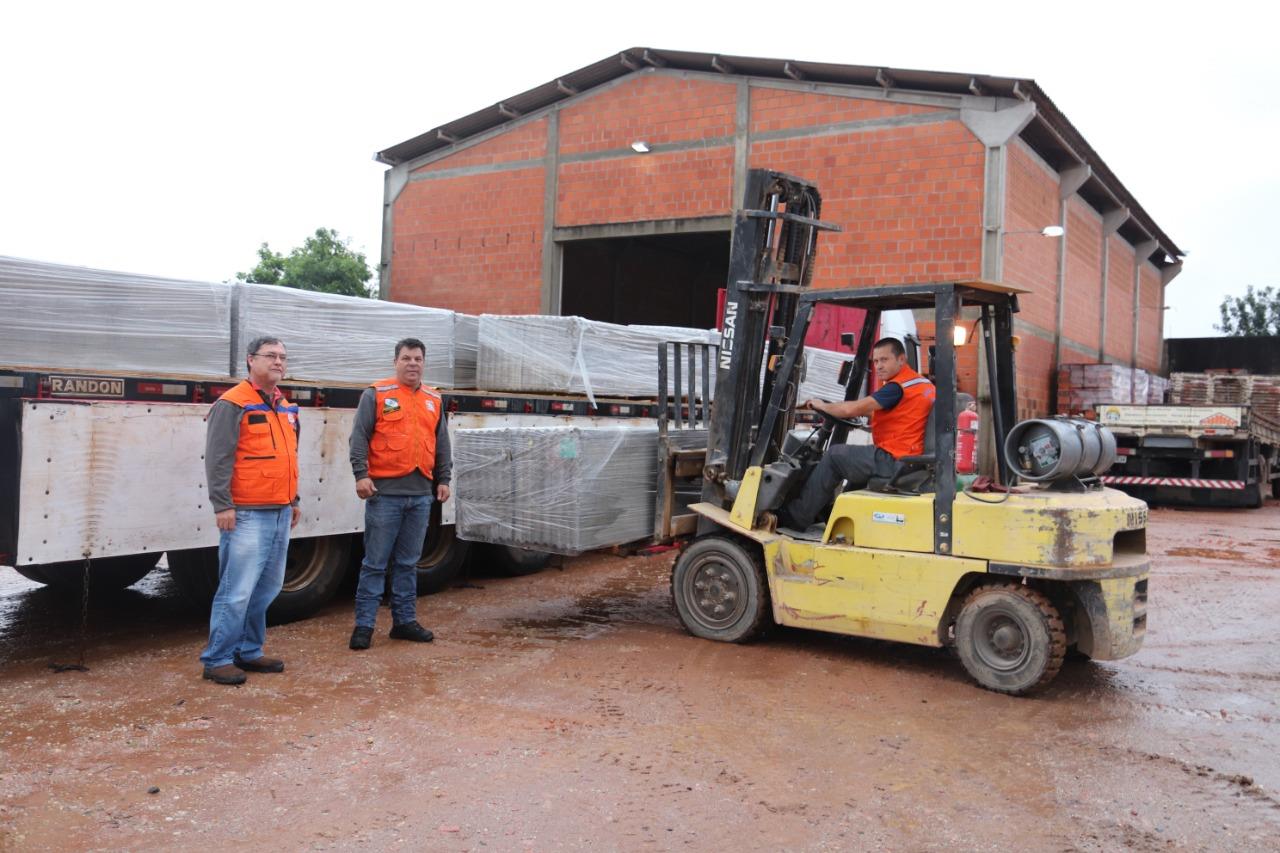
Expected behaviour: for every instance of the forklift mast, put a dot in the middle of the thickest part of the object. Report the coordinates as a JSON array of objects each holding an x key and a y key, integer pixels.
[{"x": 775, "y": 241}]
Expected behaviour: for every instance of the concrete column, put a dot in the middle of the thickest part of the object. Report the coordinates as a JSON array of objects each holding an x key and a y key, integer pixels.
[
  {"x": 1167, "y": 275},
  {"x": 393, "y": 183},
  {"x": 1111, "y": 222},
  {"x": 1141, "y": 252},
  {"x": 551, "y": 250},
  {"x": 994, "y": 129},
  {"x": 741, "y": 143}
]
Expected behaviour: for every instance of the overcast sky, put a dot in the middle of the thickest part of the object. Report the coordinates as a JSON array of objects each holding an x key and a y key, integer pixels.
[{"x": 174, "y": 138}]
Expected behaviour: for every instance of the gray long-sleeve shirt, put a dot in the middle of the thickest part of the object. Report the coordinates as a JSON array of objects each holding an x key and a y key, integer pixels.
[
  {"x": 222, "y": 437},
  {"x": 413, "y": 483}
]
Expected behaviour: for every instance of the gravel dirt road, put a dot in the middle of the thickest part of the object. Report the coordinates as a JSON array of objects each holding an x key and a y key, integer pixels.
[{"x": 568, "y": 711}]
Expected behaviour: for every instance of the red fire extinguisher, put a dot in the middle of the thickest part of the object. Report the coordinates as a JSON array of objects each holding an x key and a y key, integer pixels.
[{"x": 967, "y": 442}]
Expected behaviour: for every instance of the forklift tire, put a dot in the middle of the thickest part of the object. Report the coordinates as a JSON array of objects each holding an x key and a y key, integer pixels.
[
  {"x": 314, "y": 569},
  {"x": 510, "y": 562},
  {"x": 720, "y": 589},
  {"x": 1010, "y": 638},
  {"x": 109, "y": 573}
]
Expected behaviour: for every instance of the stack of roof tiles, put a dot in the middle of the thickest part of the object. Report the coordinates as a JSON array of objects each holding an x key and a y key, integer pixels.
[
  {"x": 1083, "y": 386},
  {"x": 1203, "y": 389}
]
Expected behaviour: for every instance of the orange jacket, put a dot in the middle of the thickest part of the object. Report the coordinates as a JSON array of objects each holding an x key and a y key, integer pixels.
[
  {"x": 900, "y": 430},
  {"x": 404, "y": 436},
  {"x": 266, "y": 467}
]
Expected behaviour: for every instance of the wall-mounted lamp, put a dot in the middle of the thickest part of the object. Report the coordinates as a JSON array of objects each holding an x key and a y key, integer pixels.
[
  {"x": 640, "y": 146},
  {"x": 958, "y": 335}
]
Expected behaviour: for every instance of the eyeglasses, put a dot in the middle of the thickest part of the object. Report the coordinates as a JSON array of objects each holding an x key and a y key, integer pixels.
[{"x": 274, "y": 356}]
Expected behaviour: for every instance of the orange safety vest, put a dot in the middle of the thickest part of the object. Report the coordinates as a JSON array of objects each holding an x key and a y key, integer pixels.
[
  {"x": 266, "y": 467},
  {"x": 900, "y": 430},
  {"x": 404, "y": 436}
]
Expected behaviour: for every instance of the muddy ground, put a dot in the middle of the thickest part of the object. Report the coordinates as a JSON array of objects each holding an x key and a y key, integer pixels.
[{"x": 568, "y": 710}]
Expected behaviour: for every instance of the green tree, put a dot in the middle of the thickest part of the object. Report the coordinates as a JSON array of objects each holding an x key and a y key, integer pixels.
[
  {"x": 324, "y": 262},
  {"x": 1255, "y": 313}
]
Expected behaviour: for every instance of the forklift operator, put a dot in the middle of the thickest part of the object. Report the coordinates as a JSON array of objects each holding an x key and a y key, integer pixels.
[{"x": 899, "y": 410}]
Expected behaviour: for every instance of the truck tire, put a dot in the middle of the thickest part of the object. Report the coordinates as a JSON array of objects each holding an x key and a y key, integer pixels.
[
  {"x": 444, "y": 555},
  {"x": 720, "y": 590},
  {"x": 509, "y": 561},
  {"x": 314, "y": 568},
  {"x": 107, "y": 573},
  {"x": 313, "y": 571},
  {"x": 1010, "y": 638}
]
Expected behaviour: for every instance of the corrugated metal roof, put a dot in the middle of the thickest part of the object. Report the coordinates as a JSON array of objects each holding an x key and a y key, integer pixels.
[{"x": 1050, "y": 134}]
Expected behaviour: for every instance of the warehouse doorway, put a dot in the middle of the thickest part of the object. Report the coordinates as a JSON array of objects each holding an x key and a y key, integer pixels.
[{"x": 661, "y": 280}]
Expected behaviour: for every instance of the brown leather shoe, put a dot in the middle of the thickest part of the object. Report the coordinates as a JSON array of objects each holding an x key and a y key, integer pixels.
[
  {"x": 263, "y": 664},
  {"x": 225, "y": 674}
]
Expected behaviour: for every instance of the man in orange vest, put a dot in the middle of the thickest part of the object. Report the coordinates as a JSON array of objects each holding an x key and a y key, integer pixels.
[
  {"x": 899, "y": 410},
  {"x": 400, "y": 459},
  {"x": 251, "y": 464}
]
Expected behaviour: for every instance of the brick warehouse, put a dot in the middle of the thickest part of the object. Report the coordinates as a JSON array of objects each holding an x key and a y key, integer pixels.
[{"x": 608, "y": 193}]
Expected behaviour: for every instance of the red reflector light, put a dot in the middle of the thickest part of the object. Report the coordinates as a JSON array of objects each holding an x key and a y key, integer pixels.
[{"x": 150, "y": 388}]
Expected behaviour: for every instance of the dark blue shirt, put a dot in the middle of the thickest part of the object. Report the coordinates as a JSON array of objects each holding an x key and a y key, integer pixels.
[{"x": 888, "y": 395}]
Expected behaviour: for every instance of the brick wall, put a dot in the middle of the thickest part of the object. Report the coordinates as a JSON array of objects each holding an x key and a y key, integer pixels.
[
  {"x": 908, "y": 198},
  {"x": 780, "y": 109},
  {"x": 1150, "y": 314},
  {"x": 1082, "y": 319},
  {"x": 1034, "y": 358},
  {"x": 453, "y": 251},
  {"x": 1031, "y": 260},
  {"x": 1119, "y": 300},
  {"x": 528, "y": 142},
  {"x": 678, "y": 185}
]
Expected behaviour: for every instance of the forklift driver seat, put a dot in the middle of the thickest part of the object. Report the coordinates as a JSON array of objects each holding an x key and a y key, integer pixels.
[{"x": 914, "y": 474}]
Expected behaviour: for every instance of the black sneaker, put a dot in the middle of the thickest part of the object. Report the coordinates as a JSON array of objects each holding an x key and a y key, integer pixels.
[
  {"x": 412, "y": 631},
  {"x": 361, "y": 638}
]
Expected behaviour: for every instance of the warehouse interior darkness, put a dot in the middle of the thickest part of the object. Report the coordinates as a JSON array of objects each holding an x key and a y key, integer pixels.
[{"x": 666, "y": 280}]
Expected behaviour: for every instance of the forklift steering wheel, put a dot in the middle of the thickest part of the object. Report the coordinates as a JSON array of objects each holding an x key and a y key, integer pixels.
[{"x": 832, "y": 420}]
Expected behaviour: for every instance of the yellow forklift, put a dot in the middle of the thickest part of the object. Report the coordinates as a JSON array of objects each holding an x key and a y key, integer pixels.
[{"x": 1012, "y": 579}]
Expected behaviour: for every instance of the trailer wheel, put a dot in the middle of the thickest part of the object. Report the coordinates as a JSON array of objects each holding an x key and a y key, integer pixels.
[
  {"x": 1010, "y": 638},
  {"x": 112, "y": 573},
  {"x": 509, "y": 561},
  {"x": 720, "y": 589},
  {"x": 444, "y": 555},
  {"x": 314, "y": 568},
  {"x": 313, "y": 571}
]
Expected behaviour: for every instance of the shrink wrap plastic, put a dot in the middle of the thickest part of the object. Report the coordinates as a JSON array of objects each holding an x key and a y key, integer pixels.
[
  {"x": 573, "y": 355},
  {"x": 822, "y": 375},
  {"x": 53, "y": 315},
  {"x": 560, "y": 489},
  {"x": 350, "y": 339}
]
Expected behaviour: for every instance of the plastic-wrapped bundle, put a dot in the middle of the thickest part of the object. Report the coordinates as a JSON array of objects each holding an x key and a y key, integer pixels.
[
  {"x": 350, "y": 339},
  {"x": 822, "y": 375},
  {"x": 53, "y": 315},
  {"x": 559, "y": 489},
  {"x": 572, "y": 355}
]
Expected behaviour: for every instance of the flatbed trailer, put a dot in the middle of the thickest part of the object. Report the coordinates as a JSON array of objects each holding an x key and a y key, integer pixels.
[
  {"x": 103, "y": 473},
  {"x": 1200, "y": 455}
]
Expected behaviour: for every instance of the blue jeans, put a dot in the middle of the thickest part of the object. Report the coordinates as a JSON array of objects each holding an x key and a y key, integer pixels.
[
  {"x": 250, "y": 575},
  {"x": 395, "y": 527}
]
